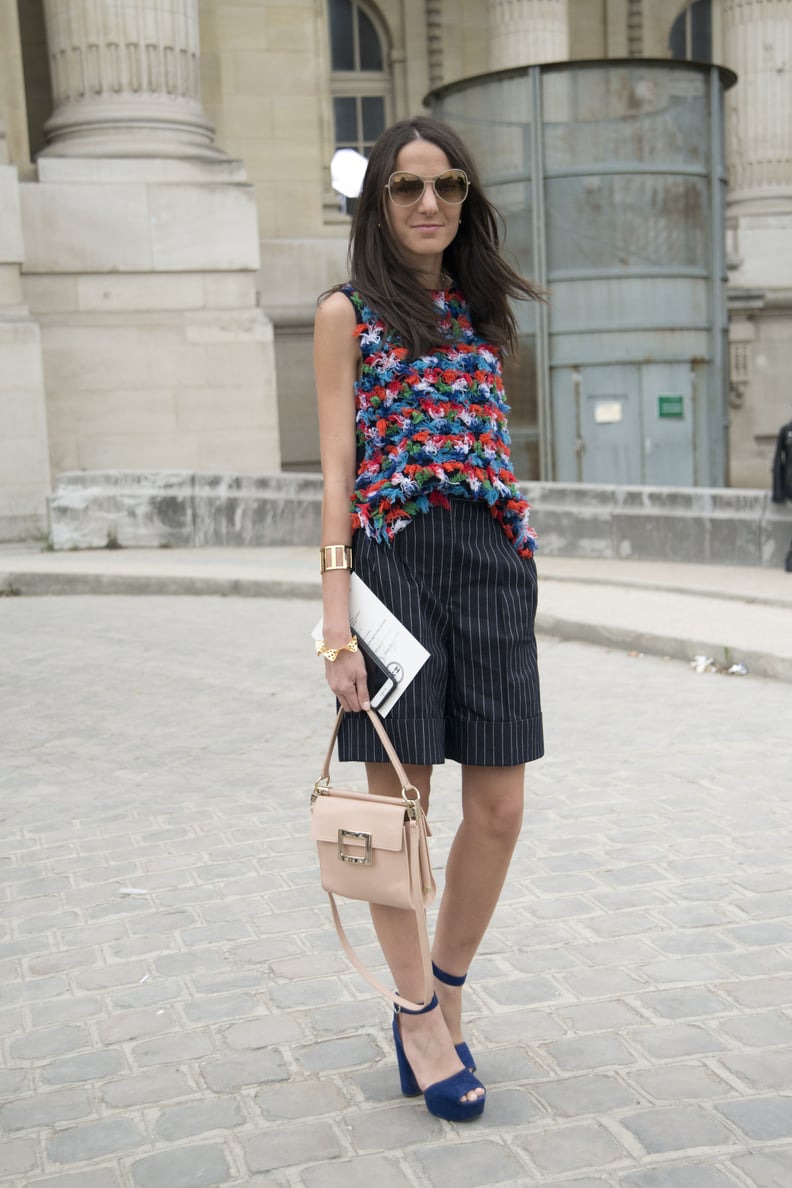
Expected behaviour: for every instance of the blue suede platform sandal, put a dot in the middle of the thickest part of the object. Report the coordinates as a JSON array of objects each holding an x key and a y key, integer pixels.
[
  {"x": 443, "y": 1099},
  {"x": 462, "y": 1050}
]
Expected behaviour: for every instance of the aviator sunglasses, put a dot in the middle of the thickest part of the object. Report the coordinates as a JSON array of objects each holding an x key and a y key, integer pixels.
[{"x": 405, "y": 189}]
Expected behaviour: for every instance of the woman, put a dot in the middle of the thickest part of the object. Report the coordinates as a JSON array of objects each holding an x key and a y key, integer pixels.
[{"x": 414, "y": 445}]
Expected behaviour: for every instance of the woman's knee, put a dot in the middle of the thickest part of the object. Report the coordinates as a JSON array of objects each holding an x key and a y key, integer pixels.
[
  {"x": 492, "y": 801},
  {"x": 504, "y": 821}
]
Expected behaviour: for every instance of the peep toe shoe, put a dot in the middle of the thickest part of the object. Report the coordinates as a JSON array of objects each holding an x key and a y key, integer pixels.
[
  {"x": 444, "y": 1098},
  {"x": 462, "y": 1050}
]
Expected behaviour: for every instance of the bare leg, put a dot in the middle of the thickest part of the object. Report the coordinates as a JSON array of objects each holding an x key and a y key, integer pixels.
[
  {"x": 427, "y": 1042},
  {"x": 492, "y": 810}
]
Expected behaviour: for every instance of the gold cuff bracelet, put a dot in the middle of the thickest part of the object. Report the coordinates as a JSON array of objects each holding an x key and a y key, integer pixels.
[{"x": 334, "y": 557}]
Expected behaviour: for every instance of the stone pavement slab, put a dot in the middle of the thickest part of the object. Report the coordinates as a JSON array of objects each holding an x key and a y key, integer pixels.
[{"x": 174, "y": 1006}]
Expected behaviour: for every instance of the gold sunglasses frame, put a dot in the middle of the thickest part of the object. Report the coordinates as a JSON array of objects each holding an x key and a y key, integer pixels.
[{"x": 426, "y": 181}]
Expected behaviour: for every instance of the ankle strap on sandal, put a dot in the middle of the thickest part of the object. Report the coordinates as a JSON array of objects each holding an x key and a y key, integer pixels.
[
  {"x": 447, "y": 978},
  {"x": 403, "y": 1010}
]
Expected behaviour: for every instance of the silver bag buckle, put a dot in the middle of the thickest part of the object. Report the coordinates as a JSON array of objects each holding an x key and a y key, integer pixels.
[{"x": 349, "y": 835}]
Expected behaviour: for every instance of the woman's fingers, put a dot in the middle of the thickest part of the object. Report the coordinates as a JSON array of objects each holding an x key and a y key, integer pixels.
[{"x": 346, "y": 676}]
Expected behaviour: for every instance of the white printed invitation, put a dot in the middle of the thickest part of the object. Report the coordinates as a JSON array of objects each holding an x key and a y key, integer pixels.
[{"x": 389, "y": 640}]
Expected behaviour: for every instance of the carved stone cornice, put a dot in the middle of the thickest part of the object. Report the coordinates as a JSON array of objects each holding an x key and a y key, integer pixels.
[
  {"x": 126, "y": 80},
  {"x": 434, "y": 41},
  {"x": 635, "y": 28}
]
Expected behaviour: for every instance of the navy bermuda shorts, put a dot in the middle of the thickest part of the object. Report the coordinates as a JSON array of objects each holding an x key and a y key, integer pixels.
[{"x": 455, "y": 581}]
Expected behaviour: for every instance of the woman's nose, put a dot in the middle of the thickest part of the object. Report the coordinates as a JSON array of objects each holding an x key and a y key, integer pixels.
[{"x": 428, "y": 200}]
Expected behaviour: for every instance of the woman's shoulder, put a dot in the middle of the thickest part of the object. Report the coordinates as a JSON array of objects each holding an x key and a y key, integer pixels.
[
  {"x": 365, "y": 313},
  {"x": 337, "y": 308}
]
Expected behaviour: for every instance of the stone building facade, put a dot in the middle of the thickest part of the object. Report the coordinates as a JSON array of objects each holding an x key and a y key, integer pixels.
[{"x": 167, "y": 218}]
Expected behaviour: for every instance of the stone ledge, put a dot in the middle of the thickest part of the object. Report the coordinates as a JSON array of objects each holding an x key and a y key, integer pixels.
[
  {"x": 182, "y": 508},
  {"x": 725, "y": 526}
]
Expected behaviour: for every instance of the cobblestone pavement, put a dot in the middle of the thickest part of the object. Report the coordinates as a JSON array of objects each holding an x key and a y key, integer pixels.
[{"x": 174, "y": 1007}]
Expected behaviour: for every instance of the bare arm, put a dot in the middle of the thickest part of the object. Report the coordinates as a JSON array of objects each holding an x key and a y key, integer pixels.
[{"x": 336, "y": 355}]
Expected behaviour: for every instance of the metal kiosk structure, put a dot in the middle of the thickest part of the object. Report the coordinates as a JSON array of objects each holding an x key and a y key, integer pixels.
[{"x": 610, "y": 176}]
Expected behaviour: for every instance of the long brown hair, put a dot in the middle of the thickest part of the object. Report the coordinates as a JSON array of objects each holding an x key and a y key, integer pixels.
[{"x": 379, "y": 271}]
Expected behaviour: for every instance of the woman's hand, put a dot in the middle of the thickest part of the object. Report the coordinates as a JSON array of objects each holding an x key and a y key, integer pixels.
[{"x": 346, "y": 676}]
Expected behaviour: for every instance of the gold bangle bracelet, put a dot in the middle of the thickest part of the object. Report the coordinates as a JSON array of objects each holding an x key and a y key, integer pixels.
[
  {"x": 335, "y": 557},
  {"x": 332, "y": 653}
]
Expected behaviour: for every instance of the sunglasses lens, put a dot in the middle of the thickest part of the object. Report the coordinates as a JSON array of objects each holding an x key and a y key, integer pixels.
[
  {"x": 452, "y": 186},
  {"x": 405, "y": 188}
]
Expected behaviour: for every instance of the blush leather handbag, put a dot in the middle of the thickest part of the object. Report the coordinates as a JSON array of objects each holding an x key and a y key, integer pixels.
[{"x": 374, "y": 848}]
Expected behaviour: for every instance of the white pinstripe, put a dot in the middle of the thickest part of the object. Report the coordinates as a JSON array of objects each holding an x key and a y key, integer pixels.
[{"x": 454, "y": 580}]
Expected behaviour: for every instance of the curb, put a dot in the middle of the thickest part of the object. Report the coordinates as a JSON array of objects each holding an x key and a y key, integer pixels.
[
  {"x": 42, "y": 584},
  {"x": 672, "y": 588},
  {"x": 669, "y": 647},
  {"x": 26, "y": 584}
]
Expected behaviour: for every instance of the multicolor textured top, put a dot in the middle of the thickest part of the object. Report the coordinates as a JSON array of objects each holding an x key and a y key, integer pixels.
[{"x": 432, "y": 428}]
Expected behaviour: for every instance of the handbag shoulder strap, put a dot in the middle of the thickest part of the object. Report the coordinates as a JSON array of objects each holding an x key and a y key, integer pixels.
[
  {"x": 423, "y": 944},
  {"x": 390, "y": 751},
  {"x": 420, "y": 911}
]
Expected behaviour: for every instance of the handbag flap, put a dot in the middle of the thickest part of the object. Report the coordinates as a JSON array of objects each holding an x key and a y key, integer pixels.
[{"x": 358, "y": 813}]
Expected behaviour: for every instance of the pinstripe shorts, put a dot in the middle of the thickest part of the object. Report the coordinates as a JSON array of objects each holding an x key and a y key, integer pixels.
[{"x": 455, "y": 581}]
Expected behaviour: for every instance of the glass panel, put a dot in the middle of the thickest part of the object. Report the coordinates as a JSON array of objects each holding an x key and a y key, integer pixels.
[
  {"x": 493, "y": 120},
  {"x": 370, "y": 48},
  {"x": 701, "y": 31},
  {"x": 630, "y": 113},
  {"x": 373, "y": 117},
  {"x": 513, "y": 201},
  {"x": 519, "y": 375},
  {"x": 346, "y": 126},
  {"x": 623, "y": 222},
  {"x": 342, "y": 53}
]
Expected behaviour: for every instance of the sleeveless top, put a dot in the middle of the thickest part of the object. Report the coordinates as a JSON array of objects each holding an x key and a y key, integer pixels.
[{"x": 432, "y": 428}]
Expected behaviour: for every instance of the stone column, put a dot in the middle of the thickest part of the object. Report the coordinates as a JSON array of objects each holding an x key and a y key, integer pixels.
[
  {"x": 24, "y": 455},
  {"x": 12, "y": 88},
  {"x": 525, "y": 32},
  {"x": 142, "y": 256},
  {"x": 125, "y": 79},
  {"x": 757, "y": 43}
]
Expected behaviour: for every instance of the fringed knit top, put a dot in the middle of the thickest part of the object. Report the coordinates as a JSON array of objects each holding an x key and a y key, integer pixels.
[{"x": 432, "y": 428}]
